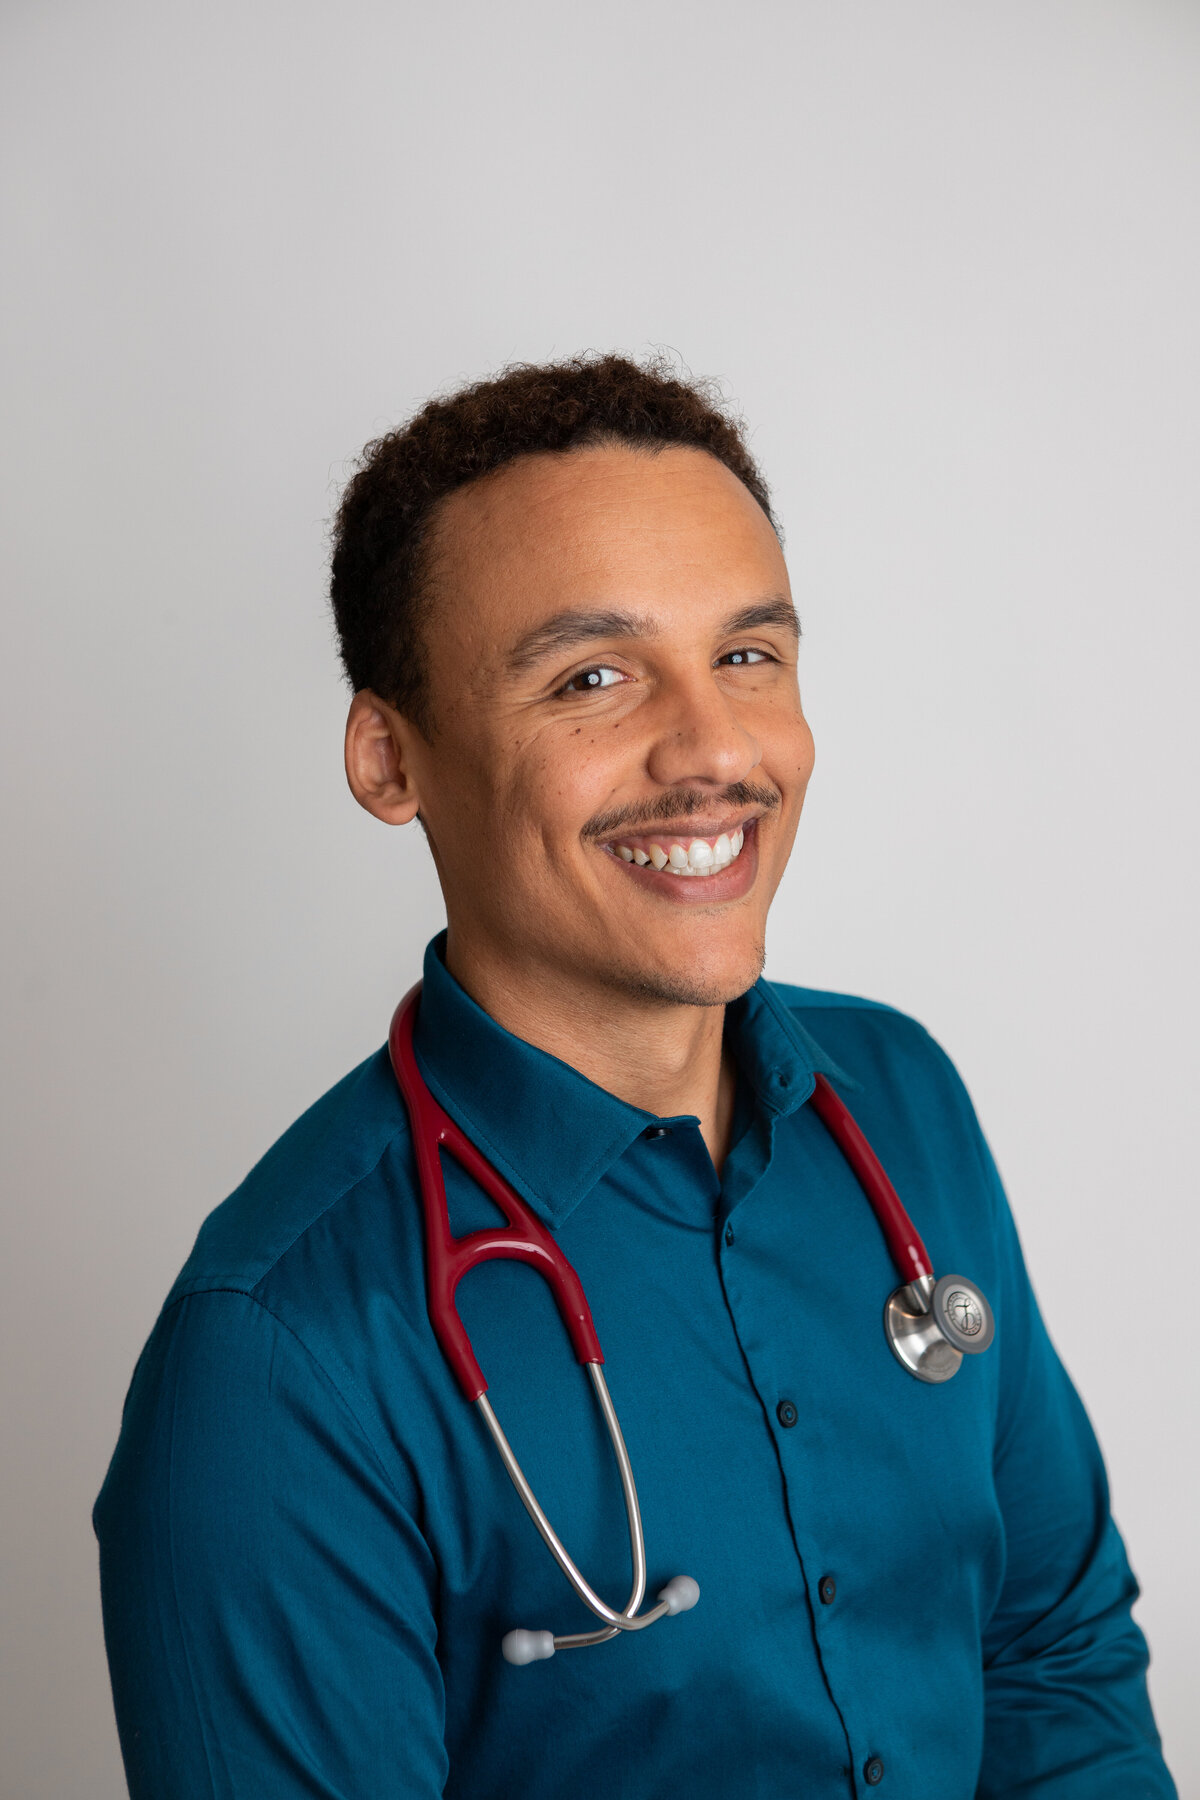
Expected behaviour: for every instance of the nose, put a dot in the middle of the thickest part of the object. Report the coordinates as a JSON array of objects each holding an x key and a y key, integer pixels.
[{"x": 699, "y": 738}]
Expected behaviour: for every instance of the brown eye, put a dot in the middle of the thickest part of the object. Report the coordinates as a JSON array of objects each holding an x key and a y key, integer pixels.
[
  {"x": 589, "y": 681},
  {"x": 736, "y": 659}
]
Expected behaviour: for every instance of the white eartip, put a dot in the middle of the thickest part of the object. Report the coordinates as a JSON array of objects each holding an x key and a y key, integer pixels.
[
  {"x": 681, "y": 1593},
  {"x": 533, "y": 1646}
]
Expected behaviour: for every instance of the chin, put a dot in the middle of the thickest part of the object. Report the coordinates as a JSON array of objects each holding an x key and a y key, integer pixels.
[{"x": 714, "y": 983}]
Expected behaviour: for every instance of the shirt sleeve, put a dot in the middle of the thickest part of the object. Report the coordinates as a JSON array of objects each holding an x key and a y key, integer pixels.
[
  {"x": 1067, "y": 1711},
  {"x": 268, "y": 1596}
]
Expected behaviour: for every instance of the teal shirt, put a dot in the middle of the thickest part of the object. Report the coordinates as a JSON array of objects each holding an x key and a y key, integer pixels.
[{"x": 310, "y": 1550}]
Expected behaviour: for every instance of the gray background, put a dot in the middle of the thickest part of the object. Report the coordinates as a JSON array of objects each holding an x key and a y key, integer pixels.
[{"x": 946, "y": 257}]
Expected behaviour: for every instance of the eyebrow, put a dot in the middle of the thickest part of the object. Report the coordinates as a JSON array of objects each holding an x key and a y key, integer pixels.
[{"x": 568, "y": 629}]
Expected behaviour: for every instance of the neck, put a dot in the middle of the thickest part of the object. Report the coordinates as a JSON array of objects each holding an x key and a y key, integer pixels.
[{"x": 658, "y": 1055}]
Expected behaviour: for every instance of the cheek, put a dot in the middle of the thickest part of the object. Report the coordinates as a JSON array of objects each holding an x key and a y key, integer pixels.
[
  {"x": 558, "y": 781},
  {"x": 789, "y": 752},
  {"x": 806, "y": 755}
]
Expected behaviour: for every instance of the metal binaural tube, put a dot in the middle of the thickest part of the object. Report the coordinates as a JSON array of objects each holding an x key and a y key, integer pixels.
[{"x": 679, "y": 1594}]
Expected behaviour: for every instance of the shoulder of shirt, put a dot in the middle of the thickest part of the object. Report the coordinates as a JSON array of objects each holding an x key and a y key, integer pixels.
[
  {"x": 887, "y": 1052},
  {"x": 874, "y": 1015},
  {"x": 865, "y": 1027},
  {"x": 329, "y": 1152},
  {"x": 800, "y": 999}
]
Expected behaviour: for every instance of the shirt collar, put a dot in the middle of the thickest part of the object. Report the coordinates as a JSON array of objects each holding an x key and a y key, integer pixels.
[{"x": 549, "y": 1130}]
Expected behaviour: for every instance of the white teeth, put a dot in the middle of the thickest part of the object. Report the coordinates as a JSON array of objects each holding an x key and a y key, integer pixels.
[{"x": 698, "y": 857}]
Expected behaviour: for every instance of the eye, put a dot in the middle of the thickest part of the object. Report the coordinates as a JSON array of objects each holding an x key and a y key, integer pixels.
[
  {"x": 589, "y": 681},
  {"x": 737, "y": 659}
]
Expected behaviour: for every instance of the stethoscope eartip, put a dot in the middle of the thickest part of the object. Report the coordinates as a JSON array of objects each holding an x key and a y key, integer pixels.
[
  {"x": 680, "y": 1594},
  {"x": 527, "y": 1646}
]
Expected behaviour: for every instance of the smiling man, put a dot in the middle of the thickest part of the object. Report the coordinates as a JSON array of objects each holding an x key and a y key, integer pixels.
[{"x": 566, "y": 616}]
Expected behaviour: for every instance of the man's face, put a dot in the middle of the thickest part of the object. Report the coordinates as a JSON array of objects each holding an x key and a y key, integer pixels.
[{"x": 619, "y": 758}]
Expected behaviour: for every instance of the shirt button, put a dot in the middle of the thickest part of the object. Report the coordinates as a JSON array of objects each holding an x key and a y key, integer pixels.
[
  {"x": 786, "y": 1413},
  {"x": 827, "y": 1588},
  {"x": 873, "y": 1771},
  {"x": 656, "y": 1131},
  {"x": 729, "y": 1236}
]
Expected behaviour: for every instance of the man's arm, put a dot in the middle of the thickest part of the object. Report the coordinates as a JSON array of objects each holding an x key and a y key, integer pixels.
[
  {"x": 268, "y": 1597},
  {"x": 1068, "y": 1716}
]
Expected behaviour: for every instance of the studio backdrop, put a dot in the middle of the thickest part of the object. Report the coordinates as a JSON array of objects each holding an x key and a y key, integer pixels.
[{"x": 945, "y": 257}]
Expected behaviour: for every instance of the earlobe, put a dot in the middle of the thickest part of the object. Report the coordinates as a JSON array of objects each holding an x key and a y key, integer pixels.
[{"x": 379, "y": 766}]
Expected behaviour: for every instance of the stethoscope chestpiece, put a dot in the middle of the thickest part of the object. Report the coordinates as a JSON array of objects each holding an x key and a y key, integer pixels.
[{"x": 932, "y": 1325}]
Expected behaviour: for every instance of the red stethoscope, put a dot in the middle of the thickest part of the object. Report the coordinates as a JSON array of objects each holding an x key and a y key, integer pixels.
[{"x": 930, "y": 1324}]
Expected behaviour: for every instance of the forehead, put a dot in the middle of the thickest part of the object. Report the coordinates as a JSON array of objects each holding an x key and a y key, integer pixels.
[{"x": 548, "y": 531}]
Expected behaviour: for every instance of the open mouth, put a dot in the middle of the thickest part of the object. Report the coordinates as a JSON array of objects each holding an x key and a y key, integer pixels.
[
  {"x": 691, "y": 856},
  {"x": 697, "y": 858}
]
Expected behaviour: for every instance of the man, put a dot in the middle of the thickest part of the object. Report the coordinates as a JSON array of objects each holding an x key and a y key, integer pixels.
[{"x": 566, "y": 617}]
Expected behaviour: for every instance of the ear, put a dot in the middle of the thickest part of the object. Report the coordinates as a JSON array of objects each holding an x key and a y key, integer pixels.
[{"x": 380, "y": 759}]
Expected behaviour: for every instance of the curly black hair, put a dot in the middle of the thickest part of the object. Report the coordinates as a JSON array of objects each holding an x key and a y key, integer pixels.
[{"x": 379, "y": 584}]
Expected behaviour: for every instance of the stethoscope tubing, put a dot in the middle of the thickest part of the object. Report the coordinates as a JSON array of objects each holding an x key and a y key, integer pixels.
[
  {"x": 917, "y": 1318},
  {"x": 904, "y": 1241},
  {"x": 447, "y": 1258},
  {"x": 525, "y": 1239}
]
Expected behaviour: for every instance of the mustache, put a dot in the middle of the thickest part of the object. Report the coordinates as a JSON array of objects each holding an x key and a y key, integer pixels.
[{"x": 674, "y": 807}]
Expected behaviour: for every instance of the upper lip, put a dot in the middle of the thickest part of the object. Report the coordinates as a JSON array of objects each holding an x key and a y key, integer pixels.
[{"x": 694, "y": 828}]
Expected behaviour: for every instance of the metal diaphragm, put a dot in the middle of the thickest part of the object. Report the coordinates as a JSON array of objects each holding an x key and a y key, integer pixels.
[
  {"x": 931, "y": 1339},
  {"x": 963, "y": 1314}
]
